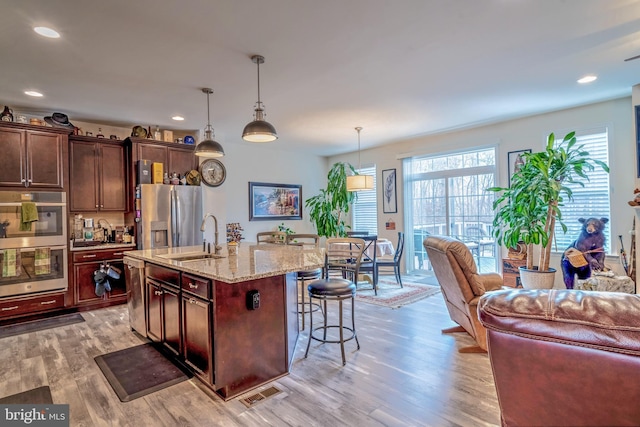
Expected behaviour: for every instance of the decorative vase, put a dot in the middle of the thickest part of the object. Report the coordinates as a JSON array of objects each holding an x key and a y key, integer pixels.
[{"x": 534, "y": 279}]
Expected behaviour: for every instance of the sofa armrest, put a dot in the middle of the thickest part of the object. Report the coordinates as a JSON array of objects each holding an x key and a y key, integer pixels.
[{"x": 491, "y": 281}]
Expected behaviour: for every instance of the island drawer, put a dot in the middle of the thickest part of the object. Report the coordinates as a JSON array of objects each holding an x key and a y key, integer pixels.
[
  {"x": 196, "y": 285},
  {"x": 162, "y": 274}
]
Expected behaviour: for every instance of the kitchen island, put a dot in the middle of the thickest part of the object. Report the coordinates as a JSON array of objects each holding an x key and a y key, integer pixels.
[{"x": 232, "y": 319}]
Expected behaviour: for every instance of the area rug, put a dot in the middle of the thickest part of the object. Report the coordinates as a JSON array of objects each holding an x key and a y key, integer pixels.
[
  {"x": 36, "y": 396},
  {"x": 390, "y": 294},
  {"x": 39, "y": 325},
  {"x": 137, "y": 371}
]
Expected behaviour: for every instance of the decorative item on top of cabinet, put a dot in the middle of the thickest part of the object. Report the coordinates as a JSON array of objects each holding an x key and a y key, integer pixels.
[
  {"x": 33, "y": 156},
  {"x": 98, "y": 175}
]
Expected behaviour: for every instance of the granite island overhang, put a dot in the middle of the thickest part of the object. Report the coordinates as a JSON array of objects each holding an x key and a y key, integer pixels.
[{"x": 232, "y": 319}]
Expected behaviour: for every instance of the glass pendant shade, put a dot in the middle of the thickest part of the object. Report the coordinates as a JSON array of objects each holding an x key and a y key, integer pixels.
[
  {"x": 209, "y": 147},
  {"x": 259, "y": 130},
  {"x": 359, "y": 182}
]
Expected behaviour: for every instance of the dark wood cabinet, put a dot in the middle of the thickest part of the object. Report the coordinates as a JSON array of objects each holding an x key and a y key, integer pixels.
[
  {"x": 197, "y": 318},
  {"x": 163, "y": 307},
  {"x": 85, "y": 263},
  {"x": 174, "y": 157},
  {"x": 98, "y": 175},
  {"x": 25, "y": 306},
  {"x": 33, "y": 156}
]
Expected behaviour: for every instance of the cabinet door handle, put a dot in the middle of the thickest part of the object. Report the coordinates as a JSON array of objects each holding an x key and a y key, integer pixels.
[
  {"x": 15, "y": 307},
  {"x": 158, "y": 292},
  {"x": 89, "y": 256},
  {"x": 96, "y": 206},
  {"x": 118, "y": 253},
  {"x": 48, "y": 302},
  {"x": 192, "y": 286},
  {"x": 23, "y": 180},
  {"x": 30, "y": 180},
  {"x": 102, "y": 206}
]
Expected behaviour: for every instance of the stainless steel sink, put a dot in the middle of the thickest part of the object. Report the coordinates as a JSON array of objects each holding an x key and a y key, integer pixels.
[{"x": 191, "y": 257}]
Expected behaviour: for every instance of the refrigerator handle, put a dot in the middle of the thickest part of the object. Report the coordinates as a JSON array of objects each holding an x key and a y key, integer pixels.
[
  {"x": 174, "y": 223},
  {"x": 178, "y": 217}
]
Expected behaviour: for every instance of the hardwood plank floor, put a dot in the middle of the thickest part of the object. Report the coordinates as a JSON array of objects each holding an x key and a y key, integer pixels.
[{"x": 406, "y": 374}]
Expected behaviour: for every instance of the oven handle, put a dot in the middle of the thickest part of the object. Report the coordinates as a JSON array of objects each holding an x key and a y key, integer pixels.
[{"x": 33, "y": 248}]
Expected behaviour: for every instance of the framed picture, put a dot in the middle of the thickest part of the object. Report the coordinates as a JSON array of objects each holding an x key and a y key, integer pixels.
[
  {"x": 637, "y": 107},
  {"x": 514, "y": 161},
  {"x": 274, "y": 201},
  {"x": 389, "y": 198}
]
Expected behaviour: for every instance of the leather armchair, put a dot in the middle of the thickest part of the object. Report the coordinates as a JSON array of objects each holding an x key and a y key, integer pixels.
[
  {"x": 564, "y": 357},
  {"x": 462, "y": 286}
]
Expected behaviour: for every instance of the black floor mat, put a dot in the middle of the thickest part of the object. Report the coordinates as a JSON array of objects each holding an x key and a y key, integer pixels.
[
  {"x": 36, "y": 396},
  {"x": 39, "y": 325},
  {"x": 137, "y": 371}
]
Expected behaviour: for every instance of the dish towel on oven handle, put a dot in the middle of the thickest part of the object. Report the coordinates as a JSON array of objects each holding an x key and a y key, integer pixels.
[
  {"x": 10, "y": 262},
  {"x": 43, "y": 261},
  {"x": 29, "y": 214}
]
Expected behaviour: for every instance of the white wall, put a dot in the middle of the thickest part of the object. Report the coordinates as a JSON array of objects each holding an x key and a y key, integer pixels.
[
  {"x": 247, "y": 162},
  {"x": 529, "y": 132}
]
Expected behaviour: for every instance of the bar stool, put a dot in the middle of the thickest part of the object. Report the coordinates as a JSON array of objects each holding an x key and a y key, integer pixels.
[
  {"x": 343, "y": 255},
  {"x": 309, "y": 241}
]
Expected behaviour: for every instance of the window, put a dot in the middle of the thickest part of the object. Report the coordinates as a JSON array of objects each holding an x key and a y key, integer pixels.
[
  {"x": 592, "y": 200},
  {"x": 444, "y": 194},
  {"x": 365, "y": 207}
]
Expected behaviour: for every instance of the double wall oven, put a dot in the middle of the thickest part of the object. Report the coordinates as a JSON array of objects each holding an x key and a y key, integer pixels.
[{"x": 33, "y": 255}]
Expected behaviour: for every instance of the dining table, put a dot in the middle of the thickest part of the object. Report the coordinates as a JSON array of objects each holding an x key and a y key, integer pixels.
[{"x": 382, "y": 247}]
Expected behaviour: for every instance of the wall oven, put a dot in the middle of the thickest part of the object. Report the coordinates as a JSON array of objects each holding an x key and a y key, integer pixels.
[{"x": 33, "y": 255}]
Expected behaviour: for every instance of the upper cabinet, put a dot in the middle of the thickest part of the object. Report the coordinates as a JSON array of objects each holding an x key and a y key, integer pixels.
[
  {"x": 97, "y": 175},
  {"x": 175, "y": 157},
  {"x": 32, "y": 156}
]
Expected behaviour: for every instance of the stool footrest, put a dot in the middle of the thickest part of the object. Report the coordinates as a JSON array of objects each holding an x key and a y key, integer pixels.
[{"x": 322, "y": 328}]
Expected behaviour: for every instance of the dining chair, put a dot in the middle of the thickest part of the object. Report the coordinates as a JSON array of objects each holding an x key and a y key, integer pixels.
[
  {"x": 278, "y": 237},
  {"x": 306, "y": 241},
  {"x": 395, "y": 262},
  {"x": 342, "y": 255},
  {"x": 368, "y": 263}
]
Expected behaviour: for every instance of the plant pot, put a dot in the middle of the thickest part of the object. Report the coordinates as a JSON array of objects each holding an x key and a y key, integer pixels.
[{"x": 534, "y": 279}]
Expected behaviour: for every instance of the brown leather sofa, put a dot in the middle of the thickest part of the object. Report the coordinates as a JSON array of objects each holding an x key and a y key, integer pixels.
[
  {"x": 462, "y": 285},
  {"x": 564, "y": 357}
]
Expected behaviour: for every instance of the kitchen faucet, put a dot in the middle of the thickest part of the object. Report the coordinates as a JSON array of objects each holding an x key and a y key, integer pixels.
[{"x": 217, "y": 248}]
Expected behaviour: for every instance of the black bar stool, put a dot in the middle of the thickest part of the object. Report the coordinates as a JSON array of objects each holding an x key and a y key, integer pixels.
[
  {"x": 343, "y": 256},
  {"x": 308, "y": 241}
]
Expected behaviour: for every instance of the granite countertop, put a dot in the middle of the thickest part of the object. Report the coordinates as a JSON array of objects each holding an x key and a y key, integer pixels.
[
  {"x": 253, "y": 261},
  {"x": 101, "y": 246}
]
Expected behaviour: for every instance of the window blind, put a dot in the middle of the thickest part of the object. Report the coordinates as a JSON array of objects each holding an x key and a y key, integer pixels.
[
  {"x": 592, "y": 200},
  {"x": 365, "y": 207}
]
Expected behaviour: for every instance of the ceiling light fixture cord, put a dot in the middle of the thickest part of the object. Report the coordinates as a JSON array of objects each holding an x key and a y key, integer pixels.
[
  {"x": 258, "y": 63},
  {"x": 359, "y": 164}
]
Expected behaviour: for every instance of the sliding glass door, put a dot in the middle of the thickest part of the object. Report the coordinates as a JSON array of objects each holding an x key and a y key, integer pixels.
[{"x": 445, "y": 195}]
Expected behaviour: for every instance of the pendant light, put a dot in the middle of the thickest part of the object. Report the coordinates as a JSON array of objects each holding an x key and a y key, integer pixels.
[
  {"x": 359, "y": 182},
  {"x": 209, "y": 147},
  {"x": 259, "y": 130}
]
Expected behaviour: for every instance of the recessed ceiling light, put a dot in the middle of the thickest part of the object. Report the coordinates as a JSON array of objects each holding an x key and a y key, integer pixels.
[
  {"x": 33, "y": 93},
  {"x": 178, "y": 118},
  {"x": 587, "y": 79},
  {"x": 47, "y": 32}
]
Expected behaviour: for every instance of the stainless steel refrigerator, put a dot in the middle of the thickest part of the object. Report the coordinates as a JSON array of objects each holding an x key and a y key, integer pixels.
[{"x": 170, "y": 216}]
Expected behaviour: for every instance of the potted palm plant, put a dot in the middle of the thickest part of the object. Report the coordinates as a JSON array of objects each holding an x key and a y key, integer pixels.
[
  {"x": 527, "y": 211},
  {"x": 328, "y": 209}
]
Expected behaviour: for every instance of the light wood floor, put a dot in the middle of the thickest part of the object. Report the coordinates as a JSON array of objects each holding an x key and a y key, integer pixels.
[{"x": 406, "y": 374}]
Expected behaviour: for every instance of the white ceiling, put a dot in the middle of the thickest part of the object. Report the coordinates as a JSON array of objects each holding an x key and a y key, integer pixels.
[{"x": 399, "y": 68}]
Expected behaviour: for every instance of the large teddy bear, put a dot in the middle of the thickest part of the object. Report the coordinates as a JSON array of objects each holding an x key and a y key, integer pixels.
[{"x": 591, "y": 243}]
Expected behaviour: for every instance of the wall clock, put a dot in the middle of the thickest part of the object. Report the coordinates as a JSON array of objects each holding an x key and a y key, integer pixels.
[{"x": 213, "y": 172}]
